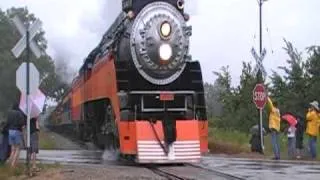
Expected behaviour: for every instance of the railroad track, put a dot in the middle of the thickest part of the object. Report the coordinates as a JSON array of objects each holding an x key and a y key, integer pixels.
[
  {"x": 165, "y": 174},
  {"x": 168, "y": 174},
  {"x": 219, "y": 173}
]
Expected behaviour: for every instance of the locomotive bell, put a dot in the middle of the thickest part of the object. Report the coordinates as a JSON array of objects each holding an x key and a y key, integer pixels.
[{"x": 159, "y": 43}]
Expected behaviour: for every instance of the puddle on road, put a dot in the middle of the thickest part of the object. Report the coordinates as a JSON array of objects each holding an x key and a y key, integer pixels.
[
  {"x": 315, "y": 168},
  {"x": 309, "y": 172},
  {"x": 251, "y": 168}
]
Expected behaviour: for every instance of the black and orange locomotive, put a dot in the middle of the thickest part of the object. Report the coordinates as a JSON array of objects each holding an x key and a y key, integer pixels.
[{"x": 139, "y": 91}]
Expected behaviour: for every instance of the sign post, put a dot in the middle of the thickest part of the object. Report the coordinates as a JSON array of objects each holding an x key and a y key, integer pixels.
[
  {"x": 257, "y": 70},
  {"x": 260, "y": 99},
  {"x": 23, "y": 77}
]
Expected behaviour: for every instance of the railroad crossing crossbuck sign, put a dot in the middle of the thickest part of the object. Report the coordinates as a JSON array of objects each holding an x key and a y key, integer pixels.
[
  {"x": 259, "y": 60},
  {"x": 259, "y": 96},
  {"x": 22, "y": 44},
  {"x": 26, "y": 83}
]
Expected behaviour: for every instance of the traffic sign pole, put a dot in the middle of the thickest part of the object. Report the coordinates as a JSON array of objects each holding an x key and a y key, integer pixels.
[
  {"x": 261, "y": 130},
  {"x": 27, "y": 99},
  {"x": 260, "y": 99}
]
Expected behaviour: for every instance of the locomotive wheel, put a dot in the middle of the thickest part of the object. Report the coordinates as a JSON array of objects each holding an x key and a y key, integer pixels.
[
  {"x": 80, "y": 131},
  {"x": 108, "y": 137},
  {"x": 88, "y": 136},
  {"x": 95, "y": 130}
]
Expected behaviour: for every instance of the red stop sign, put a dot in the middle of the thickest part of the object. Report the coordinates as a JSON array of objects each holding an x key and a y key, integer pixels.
[{"x": 259, "y": 96}]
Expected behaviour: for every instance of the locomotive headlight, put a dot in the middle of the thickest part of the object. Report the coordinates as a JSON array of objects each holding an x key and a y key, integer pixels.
[
  {"x": 165, "y": 52},
  {"x": 165, "y": 29}
]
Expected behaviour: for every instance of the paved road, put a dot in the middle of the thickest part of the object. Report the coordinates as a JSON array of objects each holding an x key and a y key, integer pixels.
[
  {"x": 84, "y": 164},
  {"x": 264, "y": 169},
  {"x": 244, "y": 168},
  {"x": 89, "y": 158}
]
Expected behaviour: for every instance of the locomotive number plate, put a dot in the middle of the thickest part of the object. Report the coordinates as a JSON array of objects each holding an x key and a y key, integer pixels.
[{"x": 165, "y": 96}]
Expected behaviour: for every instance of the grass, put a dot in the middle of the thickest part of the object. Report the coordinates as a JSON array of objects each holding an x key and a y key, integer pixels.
[
  {"x": 235, "y": 142},
  {"x": 46, "y": 142},
  {"x": 229, "y": 142},
  {"x": 6, "y": 172}
]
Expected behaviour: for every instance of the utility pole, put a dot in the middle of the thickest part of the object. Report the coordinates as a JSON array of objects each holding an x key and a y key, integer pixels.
[
  {"x": 260, "y": 15},
  {"x": 259, "y": 75}
]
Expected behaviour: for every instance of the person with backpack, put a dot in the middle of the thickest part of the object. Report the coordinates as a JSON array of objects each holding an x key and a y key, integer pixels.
[{"x": 255, "y": 140}]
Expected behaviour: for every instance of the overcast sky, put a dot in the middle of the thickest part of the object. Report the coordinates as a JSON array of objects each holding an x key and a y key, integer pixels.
[{"x": 223, "y": 30}]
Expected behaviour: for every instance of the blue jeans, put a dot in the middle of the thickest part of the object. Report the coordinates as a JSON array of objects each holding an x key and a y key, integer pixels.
[
  {"x": 291, "y": 147},
  {"x": 15, "y": 137},
  {"x": 313, "y": 146},
  {"x": 275, "y": 144}
]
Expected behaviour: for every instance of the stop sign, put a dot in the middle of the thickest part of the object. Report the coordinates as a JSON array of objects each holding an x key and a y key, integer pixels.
[
  {"x": 21, "y": 80},
  {"x": 259, "y": 96}
]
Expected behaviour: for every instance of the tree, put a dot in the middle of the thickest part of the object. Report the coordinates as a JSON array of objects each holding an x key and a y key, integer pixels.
[
  {"x": 212, "y": 92},
  {"x": 238, "y": 108},
  {"x": 313, "y": 73},
  {"x": 293, "y": 91}
]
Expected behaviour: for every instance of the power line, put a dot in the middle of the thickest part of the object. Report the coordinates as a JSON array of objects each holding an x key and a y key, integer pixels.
[{"x": 270, "y": 41}]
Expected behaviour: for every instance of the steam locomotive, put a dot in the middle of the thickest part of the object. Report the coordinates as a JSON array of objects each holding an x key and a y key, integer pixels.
[{"x": 139, "y": 91}]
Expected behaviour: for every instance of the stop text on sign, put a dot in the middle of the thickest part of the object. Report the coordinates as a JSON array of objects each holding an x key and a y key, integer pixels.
[{"x": 259, "y": 96}]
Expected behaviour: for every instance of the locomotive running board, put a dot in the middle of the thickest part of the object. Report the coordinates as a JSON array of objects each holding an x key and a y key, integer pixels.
[{"x": 159, "y": 92}]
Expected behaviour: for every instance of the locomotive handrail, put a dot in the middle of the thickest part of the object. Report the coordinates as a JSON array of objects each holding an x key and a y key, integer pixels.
[{"x": 160, "y": 92}]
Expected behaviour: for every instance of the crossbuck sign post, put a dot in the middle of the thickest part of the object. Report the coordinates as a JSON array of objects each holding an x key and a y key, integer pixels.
[
  {"x": 259, "y": 60},
  {"x": 260, "y": 99},
  {"x": 27, "y": 85},
  {"x": 259, "y": 92}
]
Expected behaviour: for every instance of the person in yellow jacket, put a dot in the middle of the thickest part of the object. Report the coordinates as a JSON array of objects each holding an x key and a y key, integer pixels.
[
  {"x": 313, "y": 119},
  {"x": 274, "y": 126}
]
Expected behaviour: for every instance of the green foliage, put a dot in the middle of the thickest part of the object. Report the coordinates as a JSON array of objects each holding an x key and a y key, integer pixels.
[
  {"x": 46, "y": 141},
  {"x": 238, "y": 108},
  {"x": 293, "y": 91}
]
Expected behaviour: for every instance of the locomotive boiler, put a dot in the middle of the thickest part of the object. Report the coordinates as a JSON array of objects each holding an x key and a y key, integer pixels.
[{"x": 139, "y": 91}]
